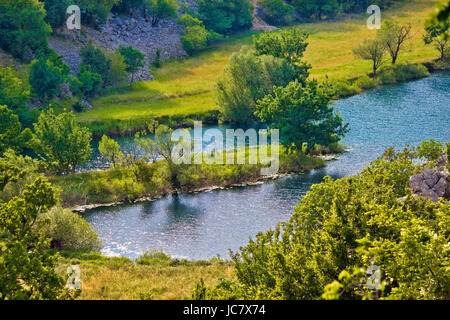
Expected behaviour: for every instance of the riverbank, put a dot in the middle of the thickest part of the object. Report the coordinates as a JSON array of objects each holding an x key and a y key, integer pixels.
[
  {"x": 149, "y": 182},
  {"x": 185, "y": 89}
]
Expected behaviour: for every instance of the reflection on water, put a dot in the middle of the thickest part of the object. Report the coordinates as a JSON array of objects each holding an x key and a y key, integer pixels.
[{"x": 197, "y": 226}]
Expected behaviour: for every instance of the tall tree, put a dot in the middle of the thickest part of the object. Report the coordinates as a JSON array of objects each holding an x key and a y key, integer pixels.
[
  {"x": 302, "y": 114},
  {"x": 371, "y": 50},
  {"x": 435, "y": 34},
  {"x": 394, "y": 36},
  {"x": 60, "y": 141},
  {"x": 133, "y": 58},
  {"x": 110, "y": 149},
  {"x": 160, "y": 9}
]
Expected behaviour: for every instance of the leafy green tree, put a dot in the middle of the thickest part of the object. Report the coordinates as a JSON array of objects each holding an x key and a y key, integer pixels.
[
  {"x": 27, "y": 268},
  {"x": 440, "y": 17},
  {"x": 10, "y": 130},
  {"x": 276, "y": 11},
  {"x": 225, "y": 16},
  {"x": 117, "y": 75},
  {"x": 435, "y": 34},
  {"x": 371, "y": 50},
  {"x": 45, "y": 78},
  {"x": 23, "y": 30},
  {"x": 110, "y": 149},
  {"x": 248, "y": 78},
  {"x": 194, "y": 39},
  {"x": 289, "y": 44},
  {"x": 393, "y": 36},
  {"x": 60, "y": 141},
  {"x": 161, "y": 9},
  {"x": 88, "y": 84},
  {"x": 134, "y": 59},
  {"x": 302, "y": 114},
  {"x": 95, "y": 61},
  {"x": 95, "y": 13},
  {"x": 14, "y": 87}
]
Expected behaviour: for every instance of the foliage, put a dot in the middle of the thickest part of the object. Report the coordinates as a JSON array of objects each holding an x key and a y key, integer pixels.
[
  {"x": 157, "y": 61},
  {"x": 26, "y": 266},
  {"x": 125, "y": 6},
  {"x": 94, "y": 60},
  {"x": 110, "y": 150},
  {"x": 10, "y": 130},
  {"x": 317, "y": 9},
  {"x": 14, "y": 87},
  {"x": 134, "y": 59},
  {"x": 88, "y": 84},
  {"x": 117, "y": 75},
  {"x": 342, "y": 227},
  {"x": 60, "y": 141},
  {"x": 194, "y": 39},
  {"x": 248, "y": 78},
  {"x": 95, "y": 13},
  {"x": 302, "y": 114},
  {"x": 160, "y": 9},
  {"x": 23, "y": 30},
  {"x": 225, "y": 16},
  {"x": 393, "y": 36},
  {"x": 365, "y": 83},
  {"x": 69, "y": 231},
  {"x": 276, "y": 11},
  {"x": 403, "y": 72},
  {"x": 371, "y": 50},
  {"x": 289, "y": 44},
  {"x": 46, "y": 78}
]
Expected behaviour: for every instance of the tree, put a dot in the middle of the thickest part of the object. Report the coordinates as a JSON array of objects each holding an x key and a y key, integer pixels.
[
  {"x": 194, "y": 39},
  {"x": 134, "y": 59},
  {"x": 441, "y": 18},
  {"x": 45, "y": 78},
  {"x": 289, "y": 44},
  {"x": 95, "y": 13},
  {"x": 23, "y": 30},
  {"x": 10, "y": 130},
  {"x": 110, "y": 150},
  {"x": 276, "y": 11},
  {"x": 117, "y": 75},
  {"x": 162, "y": 146},
  {"x": 393, "y": 36},
  {"x": 94, "y": 60},
  {"x": 27, "y": 268},
  {"x": 435, "y": 34},
  {"x": 56, "y": 12},
  {"x": 60, "y": 141},
  {"x": 225, "y": 16},
  {"x": 160, "y": 9},
  {"x": 14, "y": 87},
  {"x": 248, "y": 78},
  {"x": 317, "y": 9},
  {"x": 371, "y": 50},
  {"x": 302, "y": 114}
]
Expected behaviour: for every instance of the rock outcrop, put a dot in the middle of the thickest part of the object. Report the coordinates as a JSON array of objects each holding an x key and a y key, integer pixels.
[{"x": 432, "y": 183}]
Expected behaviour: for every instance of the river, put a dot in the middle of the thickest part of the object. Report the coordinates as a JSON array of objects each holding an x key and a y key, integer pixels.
[{"x": 204, "y": 225}]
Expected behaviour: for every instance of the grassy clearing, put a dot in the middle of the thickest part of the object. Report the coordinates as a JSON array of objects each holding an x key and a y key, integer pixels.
[
  {"x": 154, "y": 276},
  {"x": 186, "y": 87}
]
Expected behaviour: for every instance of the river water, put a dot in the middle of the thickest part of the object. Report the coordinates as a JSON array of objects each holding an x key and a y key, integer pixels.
[{"x": 204, "y": 225}]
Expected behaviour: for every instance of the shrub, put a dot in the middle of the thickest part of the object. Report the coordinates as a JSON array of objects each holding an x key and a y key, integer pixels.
[
  {"x": 225, "y": 16},
  {"x": 69, "y": 231},
  {"x": 134, "y": 59},
  {"x": 345, "y": 89},
  {"x": 365, "y": 83},
  {"x": 157, "y": 61},
  {"x": 94, "y": 13},
  {"x": 14, "y": 87},
  {"x": 118, "y": 74},
  {"x": 195, "y": 39},
  {"x": 78, "y": 107},
  {"x": 403, "y": 72},
  {"x": 95, "y": 60},
  {"x": 56, "y": 12},
  {"x": 87, "y": 84}
]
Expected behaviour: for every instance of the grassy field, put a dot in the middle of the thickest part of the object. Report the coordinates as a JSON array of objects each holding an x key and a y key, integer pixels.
[
  {"x": 186, "y": 87},
  {"x": 154, "y": 276}
]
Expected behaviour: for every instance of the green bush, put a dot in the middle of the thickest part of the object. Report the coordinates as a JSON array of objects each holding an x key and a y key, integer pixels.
[
  {"x": 46, "y": 78},
  {"x": 69, "y": 231},
  {"x": 14, "y": 87},
  {"x": 345, "y": 89},
  {"x": 88, "y": 84},
  {"x": 56, "y": 12},
  {"x": 195, "y": 39},
  {"x": 94, "y": 60},
  {"x": 160, "y": 9},
  {"x": 365, "y": 83},
  {"x": 403, "y": 72},
  {"x": 225, "y": 16}
]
